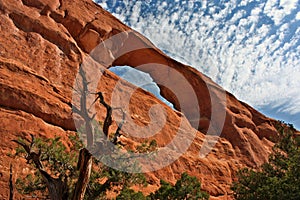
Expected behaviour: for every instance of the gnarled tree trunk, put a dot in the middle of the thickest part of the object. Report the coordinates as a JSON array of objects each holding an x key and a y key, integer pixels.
[{"x": 85, "y": 167}]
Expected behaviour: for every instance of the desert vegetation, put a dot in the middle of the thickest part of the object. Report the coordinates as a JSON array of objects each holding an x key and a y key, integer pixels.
[
  {"x": 60, "y": 165},
  {"x": 279, "y": 178}
]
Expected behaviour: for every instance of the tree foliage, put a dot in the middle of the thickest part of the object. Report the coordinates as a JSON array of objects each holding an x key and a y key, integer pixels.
[
  {"x": 279, "y": 178},
  {"x": 187, "y": 187},
  {"x": 62, "y": 163},
  {"x": 53, "y": 167},
  {"x": 127, "y": 193}
]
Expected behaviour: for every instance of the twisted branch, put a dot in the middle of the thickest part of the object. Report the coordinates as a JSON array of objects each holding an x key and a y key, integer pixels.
[{"x": 57, "y": 187}]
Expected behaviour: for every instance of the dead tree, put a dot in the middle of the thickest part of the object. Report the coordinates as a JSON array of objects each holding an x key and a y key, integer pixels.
[
  {"x": 85, "y": 160},
  {"x": 58, "y": 187},
  {"x": 85, "y": 157}
]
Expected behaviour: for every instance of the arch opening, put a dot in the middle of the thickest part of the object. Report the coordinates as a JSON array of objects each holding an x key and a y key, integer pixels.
[{"x": 140, "y": 79}]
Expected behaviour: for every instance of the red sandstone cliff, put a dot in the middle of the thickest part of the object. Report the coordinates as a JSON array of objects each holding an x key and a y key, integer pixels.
[{"x": 44, "y": 42}]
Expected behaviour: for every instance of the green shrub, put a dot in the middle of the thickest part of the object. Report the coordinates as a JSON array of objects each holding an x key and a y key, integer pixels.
[
  {"x": 62, "y": 163},
  {"x": 127, "y": 193},
  {"x": 279, "y": 178},
  {"x": 186, "y": 187}
]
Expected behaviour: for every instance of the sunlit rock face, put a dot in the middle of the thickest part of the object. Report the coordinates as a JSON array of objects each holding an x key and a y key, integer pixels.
[{"x": 43, "y": 45}]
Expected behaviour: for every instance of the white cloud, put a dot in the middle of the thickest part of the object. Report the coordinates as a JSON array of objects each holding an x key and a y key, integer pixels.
[
  {"x": 103, "y": 5},
  {"x": 288, "y": 5},
  {"x": 298, "y": 16},
  {"x": 278, "y": 12}
]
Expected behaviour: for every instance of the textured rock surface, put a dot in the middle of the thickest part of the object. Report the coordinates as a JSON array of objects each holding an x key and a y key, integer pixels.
[{"x": 42, "y": 45}]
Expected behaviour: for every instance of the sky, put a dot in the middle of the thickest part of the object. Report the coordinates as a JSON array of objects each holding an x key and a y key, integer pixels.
[
  {"x": 140, "y": 79},
  {"x": 250, "y": 48}
]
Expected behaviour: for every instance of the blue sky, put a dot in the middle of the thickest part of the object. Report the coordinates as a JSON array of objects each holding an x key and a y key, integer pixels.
[
  {"x": 251, "y": 48},
  {"x": 140, "y": 79}
]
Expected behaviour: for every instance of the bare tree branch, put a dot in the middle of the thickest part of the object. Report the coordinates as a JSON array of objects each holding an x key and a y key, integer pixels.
[
  {"x": 108, "y": 119},
  {"x": 11, "y": 186}
]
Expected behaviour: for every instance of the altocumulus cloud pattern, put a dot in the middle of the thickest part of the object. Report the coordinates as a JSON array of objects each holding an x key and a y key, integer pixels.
[{"x": 251, "y": 48}]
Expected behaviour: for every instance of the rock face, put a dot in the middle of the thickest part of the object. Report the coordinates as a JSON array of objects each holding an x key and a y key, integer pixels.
[{"x": 42, "y": 45}]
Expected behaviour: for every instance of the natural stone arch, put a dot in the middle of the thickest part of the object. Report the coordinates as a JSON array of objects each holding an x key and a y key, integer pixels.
[
  {"x": 147, "y": 53},
  {"x": 131, "y": 49}
]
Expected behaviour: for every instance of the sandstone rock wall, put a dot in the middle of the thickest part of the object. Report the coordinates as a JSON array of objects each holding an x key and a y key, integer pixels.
[{"x": 44, "y": 42}]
